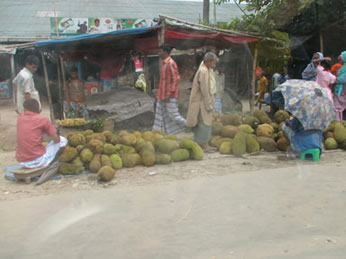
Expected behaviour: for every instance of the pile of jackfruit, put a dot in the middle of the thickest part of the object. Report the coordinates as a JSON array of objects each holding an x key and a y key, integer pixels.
[
  {"x": 237, "y": 135},
  {"x": 104, "y": 153},
  {"x": 335, "y": 136}
]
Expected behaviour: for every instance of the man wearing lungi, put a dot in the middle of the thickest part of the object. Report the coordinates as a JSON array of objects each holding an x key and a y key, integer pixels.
[
  {"x": 167, "y": 116},
  {"x": 31, "y": 126},
  {"x": 201, "y": 105}
]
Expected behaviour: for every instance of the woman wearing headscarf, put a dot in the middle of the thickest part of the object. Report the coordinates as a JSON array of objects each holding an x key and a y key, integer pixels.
[
  {"x": 310, "y": 72},
  {"x": 340, "y": 92}
]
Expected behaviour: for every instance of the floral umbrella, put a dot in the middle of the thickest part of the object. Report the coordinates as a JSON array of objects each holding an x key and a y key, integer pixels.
[{"x": 308, "y": 102}]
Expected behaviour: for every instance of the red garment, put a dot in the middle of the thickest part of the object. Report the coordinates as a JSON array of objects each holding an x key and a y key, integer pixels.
[
  {"x": 169, "y": 80},
  {"x": 30, "y": 128},
  {"x": 335, "y": 69}
]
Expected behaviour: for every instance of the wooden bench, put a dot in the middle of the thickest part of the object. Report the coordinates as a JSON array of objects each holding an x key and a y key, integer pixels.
[{"x": 27, "y": 174}]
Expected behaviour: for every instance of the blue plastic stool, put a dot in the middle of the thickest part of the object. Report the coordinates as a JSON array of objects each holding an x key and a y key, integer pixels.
[{"x": 314, "y": 152}]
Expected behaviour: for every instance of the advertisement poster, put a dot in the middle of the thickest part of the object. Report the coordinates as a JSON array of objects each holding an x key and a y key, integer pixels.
[{"x": 65, "y": 26}]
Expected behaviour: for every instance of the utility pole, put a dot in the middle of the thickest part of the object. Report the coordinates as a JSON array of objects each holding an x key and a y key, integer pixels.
[{"x": 206, "y": 7}]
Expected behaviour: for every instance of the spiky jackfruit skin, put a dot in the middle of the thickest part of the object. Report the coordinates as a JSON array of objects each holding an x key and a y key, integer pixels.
[
  {"x": 75, "y": 139},
  {"x": 129, "y": 160},
  {"x": 172, "y": 137},
  {"x": 106, "y": 173},
  {"x": 246, "y": 128},
  {"x": 214, "y": 140},
  {"x": 79, "y": 148},
  {"x": 230, "y": 119},
  {"x": 268, "y": 144},
  {"x": 95, "y": 163},
  {"x": 109, "y": 149},
  {"x": 195, "y": 149},
  {"x": 148, "y": 157},
  {"x": 332, "y": 125},
  {"x": 329, "y": 134},
  {"x": 128, "y": 139},
  {"x": 265, "y": 120},
  {"x": 108, "y": 135},
  {"x": 105, "y": 160},
  {"x": 340, "y": 133},
  {"x": 116, "y": 161},
  {"x": 167, "y": 146},
  {"x": 115, "y": 140},
  {"x": 148, "y": 136},
  {"x": 226, "y": 148},
  {"x": 123, "y": 149},
  {"x": 239, "y": 144},
  {"x": 330, "y": 144},
  {"x": 281, "y": 116},
  {"x": 220, "y": 141},
  {"x": 68, "y": 154},
  {"x": 229, "y": 131},
  {"x": 216, "y": 128},
  {"x": 259, "y": 113},
  {"x": 96, "y": 146},
  {"x": 138, "y": 134},
  {"x": 252, "y": 145},
  {"x": 138, "y": 159},
  {"x": 252, "y": 121},
  {"x": 275, "y": 126},
  {"x": 123, "y": 133},
  {"x": 163, "y": 159},
  {"x": 282, "y": 144},
  {"x": 77, "y": 161},
  {"x": 98, "y": 136},
  {"x": 139, "y": 144},
  {"x": 86, "y": 155},
  {"x": 264, "y": 130},
  {"x": 70, "y": 168},
  {"x": 88, "y": 132},
  {"x": 180, "y": 155}
]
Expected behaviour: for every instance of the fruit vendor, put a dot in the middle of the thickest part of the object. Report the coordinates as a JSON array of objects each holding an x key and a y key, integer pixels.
[
  {"x": 201, "y": 105},
  {"x": 75, "y": 101},
  {"x": 167, "y": 116},
  {"x": 31, "y": 126}
]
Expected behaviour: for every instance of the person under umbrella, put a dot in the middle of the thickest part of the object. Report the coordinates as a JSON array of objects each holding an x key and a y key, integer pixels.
[{"x": 309, "y": 72}]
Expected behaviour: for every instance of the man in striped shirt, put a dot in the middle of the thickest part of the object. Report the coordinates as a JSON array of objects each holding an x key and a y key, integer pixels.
[{"x": 167, "y": 116}]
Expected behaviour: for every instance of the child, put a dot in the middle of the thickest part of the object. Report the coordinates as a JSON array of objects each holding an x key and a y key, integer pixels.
[{"x": 262, "y": 87}]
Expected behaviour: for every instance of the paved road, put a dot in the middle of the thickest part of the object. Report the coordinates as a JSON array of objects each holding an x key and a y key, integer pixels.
[{"x": 295, "y": 213}]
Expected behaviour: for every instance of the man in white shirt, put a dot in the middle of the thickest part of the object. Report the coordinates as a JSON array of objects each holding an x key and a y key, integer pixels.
[
  {"x": 24, "y": 83},
  {"x": 96, "y": 28}
]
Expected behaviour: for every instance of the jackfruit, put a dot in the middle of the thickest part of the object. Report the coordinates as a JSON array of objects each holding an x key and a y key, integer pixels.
[
  {"x": 226, "y": 148},
  {"x": 275, "y": 126},
  {"x": 70, "y": 168},
  {"x": 195, "y": 149},
  {"x": 180, "y": 155},
  {"x": 259, "y": 113},
  {"x": 148, "y": 146},
  {"x": 281, "y": 116},
  {"x": 330, "y": 143},
  {"x": 282, "y": 144},
  {"x": 340, "y": 133},
  {"x": 167, "y": 146},
  {"x": 229, "y": 131},
  {"x": 79, "y": 148},
  {"x": 128, "y": 139},
  {"x": 115, "y": 140},
  {"x": 123, "y": 149},
  {"x": 77, "y": 161},
  {"x": 106, "y": 173},
  {"x": 98, "y": 136},
  {"x": 163, "y": 159},
  {"x": 268, "y": 144},
  {"x": 68, "y": 154},
  {"x": 213, "y": 141},
  {"x": 88, "y": 132},
  {"x": 123, "y": 133},
  {"x": 139, "y": 144},
  {"x": 108, "y": 135},
  {"x": 172, "y": 137},
  {"x": 220, "y": 141},
  {"x": 252, "y": 145},
  {"x": 329, "y": 134},
  {"x": 264, "y": 130},
  {"x": 75, "y": 139},
  {"x": 106, "y": 161},
  {"x": 109, "y": 149},
  {"x": 116, "y": 161},
  {"x": 332, "y": 125},
  {"x": 246, "y": 128},
  {"x": 138, "y": 134},
  {"x": 265, "y": 120},
  {"x": 129, "y": 160},
  {"x": 148, "y": 136},
  {"x": 95, "y": 164},
  {"x": 230, "y": 119},
  {"x": 86, "y": 155},
  {"x": 216, "y": 128},
  {"x": 281, "y": 134},
  {"x": 96, "y": 145},
  {"x": 148, "y": 157},
  {"x": 252, "y": 121},
  {"x": 239, "y": 144}
]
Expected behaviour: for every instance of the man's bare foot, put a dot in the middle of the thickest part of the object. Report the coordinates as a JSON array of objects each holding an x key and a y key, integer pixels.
[{"x": 208, "y": 149}]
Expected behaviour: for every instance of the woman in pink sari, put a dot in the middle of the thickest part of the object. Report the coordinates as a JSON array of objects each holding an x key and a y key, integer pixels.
[{"x": 324, "y": 77}]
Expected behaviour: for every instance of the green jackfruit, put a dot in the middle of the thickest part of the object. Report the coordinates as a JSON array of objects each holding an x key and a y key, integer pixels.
[
  {"x": 96, "y": 145},
  {"x": 265, "y": 119},
  {"x": 264, "y": 130},
  {"x": 148, "y": 157},
  {"x": 109, "y": 149},
  {"x": 79, "y": 148},
  {"x": 220, "y": 141},
  {"x": 123, "y": 149},
  {"x": 123, "y": 133},
  {"x": 213, "y": 141},
  {"x": 239, "y": 144},
  {"x": 86, "y": 155},
  {"x": 330, "y": 144},
  {"x": 106, "y": 173},
  {"x": 230, "y": 119},
  {"x": 116, "y": 161},
  {"x": 180, "y": 155},
  {"x": 281, "y": 116},
  {"x": 77, "y": 161},
  {"x": 195, "y": 149},
  {"x": 95, "y": 164},
  {"x": 226, "y": 148},
  {"x": 229, "y": 131},
  {"x": 252, "y": 145},
  {"x": 129, "y": 160},
  {"x": 246, "y": 128},
  {"x": 75, "y": 139},
  {"x": 268, "y": 144},
  {"x": 68, "y": 154},
  {"x": 148, "y": 136},
  {"x": 163, "y": 159},
  {"x": 148, "y": 146},
  {"x": 115, "y": 140},
  {"x": 106, "y": 161},
  {"x": 172, "y": 137},
  {"x": 167, "y": 146},
  {"x": 128, "y": 139},
  {"x": 88, "y": 132},
  {"x": 252, "y": 121},
  {"x": 139, "y": 144},
  {"x": 98, "y": 136},
  {"x": 332, "y": 125},
  {"x": 108, "y": 135},
  {"x": 216, "y": 128},
  {"x": 340, "y": 133},
  {"x": 275, "y": 126},
  {"x": 329, "y": 134},
  {"x": 70, "y": 168},
  {"x": 282, "y": 144}
]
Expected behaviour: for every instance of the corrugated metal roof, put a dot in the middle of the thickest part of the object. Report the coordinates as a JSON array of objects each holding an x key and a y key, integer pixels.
[{"x": 23, "y": 19}]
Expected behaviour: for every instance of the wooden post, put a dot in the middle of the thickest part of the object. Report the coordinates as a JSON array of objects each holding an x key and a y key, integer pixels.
[
  {"x": 48, "y": 89},
  {"x": 63, "y": 79},
  {"x": 146, "y": 71},
  {"x": 13, "y": 75},
  {"x": 61, "y": 90},
  {"x": 321, "y": 42},
  {"x": 253, "y": 88},
  {"x": 161, "y": 39}
]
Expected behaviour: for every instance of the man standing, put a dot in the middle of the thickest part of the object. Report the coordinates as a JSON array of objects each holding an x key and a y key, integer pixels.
[
  {"x": 24, "y": 83},
  {"x": 201, "y": 106},
  {"x": 30, "y": 128},
  {"x": 167, "y": 116},
  {"x": 74, "y": 106}
]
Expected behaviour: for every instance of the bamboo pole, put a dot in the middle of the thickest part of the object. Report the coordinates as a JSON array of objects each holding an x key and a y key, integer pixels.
[
  {"x": 253, "y": 88},
  {"x": 48, "y": 89},
  {"x": 63, "y": 79}
]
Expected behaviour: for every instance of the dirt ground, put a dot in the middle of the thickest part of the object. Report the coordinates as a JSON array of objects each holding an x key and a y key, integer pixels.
[{"x": 214, "y": 164}]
